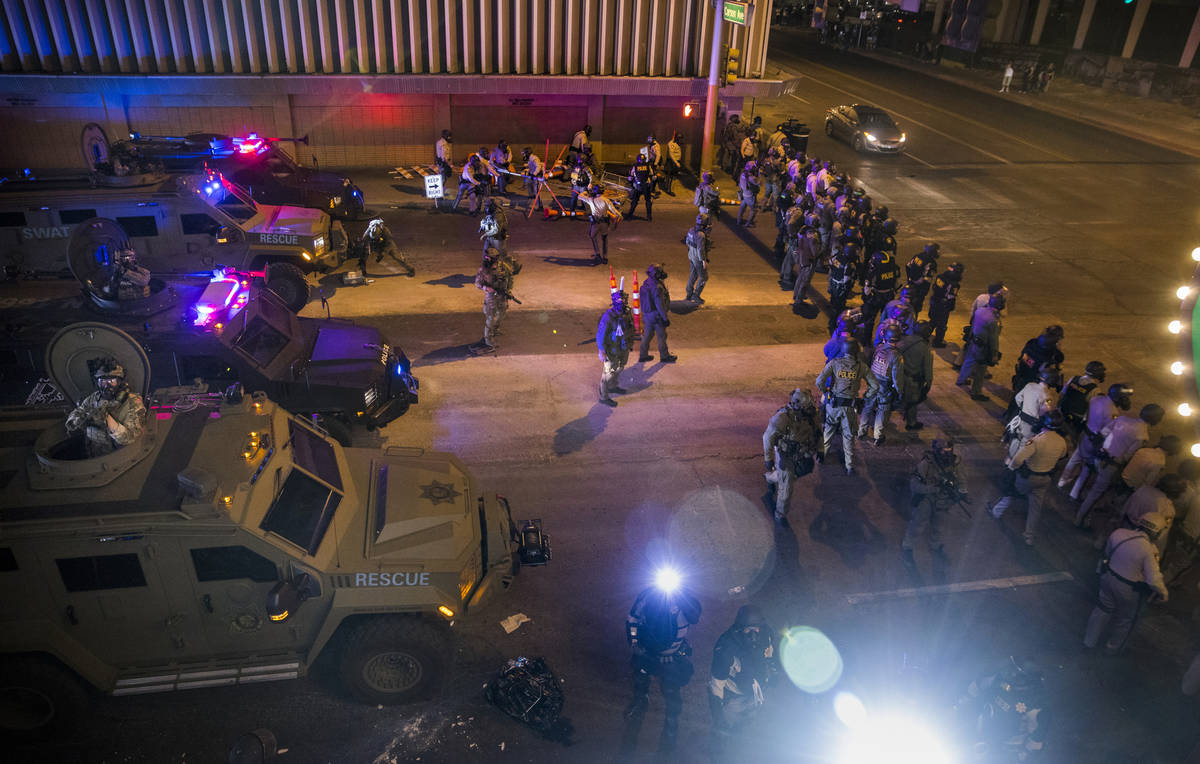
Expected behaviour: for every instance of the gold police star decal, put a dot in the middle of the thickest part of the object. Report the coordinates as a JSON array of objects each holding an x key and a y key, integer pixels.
[
  {"x": 1021, "y": 708},
  {"x": 438, "y": 492}
]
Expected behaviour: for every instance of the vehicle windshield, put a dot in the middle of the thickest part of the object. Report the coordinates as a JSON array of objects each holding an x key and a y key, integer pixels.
[
  {"x": 261, "y": 341},
  {"x": 302, "y": 511},
  {"x": 877, "y": 119},
  {"x": 236, "y": 208},
  {"x": 314, "y": 453},
  {"x": 280, "y": 162}
]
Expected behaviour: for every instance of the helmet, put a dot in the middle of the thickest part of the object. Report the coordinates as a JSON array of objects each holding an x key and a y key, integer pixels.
[
  {"x": 108, "y": 368},
  {"x": 905, "y": 294},
  {"x": 956, "y": 268},
  {"x": 749, "y": 615},
  {"x": 489, "y": 207},
  {"x": 1095, "y": 370},
  {"x": 801, "y": 399},
  {"x": 1151, "y": 414},
  {"x": 596, "y": 189},
  {"x": 1153, "y": 523},
  {"x": 619, "y": 299},
  {"x": 933, "y": 249},
  {"x": 703, "y": 220},
  {"x": 1023, "y": 674},
  {"x": 892, "y": 334},
  {"x": 525, "y": 152},
  {"x": 849, "y": 348},
  {"x": 1118, "y": 391},
  {"x": 649, "y": 139},
  {"x": 656, "y": 271},
  {"x": 751, "y": 166},
  {"x": 1170, "y": 444},
  {"x": 997, "y": 301},
  {"x": 1048, "y": 373},
  {"x": 706, "y": 176},
  {"x": 942, "y": 450},
  {"x": 1054, "y": 333},
  {"x": 881, "y": 212},
  {"x": 890, "y": 226},
  {"x": 446, "y": 134},
  {"x": 1053, "y": 420},
  {"x": 995, "y": 287}
]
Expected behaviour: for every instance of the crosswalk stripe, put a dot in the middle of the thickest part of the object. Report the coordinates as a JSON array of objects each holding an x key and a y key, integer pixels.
[
  {"x": 927, "y": 191},
  {"x": 999, "y": 199}
]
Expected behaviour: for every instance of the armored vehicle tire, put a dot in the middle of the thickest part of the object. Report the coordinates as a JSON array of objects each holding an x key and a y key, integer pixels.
[
  {"x": 288, "y": 283},
  {"x": 38, "y": 698},
  {"x": 394, "y": 660}
]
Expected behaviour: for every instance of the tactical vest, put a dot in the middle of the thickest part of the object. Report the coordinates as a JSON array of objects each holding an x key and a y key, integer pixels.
[{"x": 881, "y": 365}]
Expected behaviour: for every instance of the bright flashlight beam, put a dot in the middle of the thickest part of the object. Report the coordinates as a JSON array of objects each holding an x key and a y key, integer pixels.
[{"x": 667, "y": 579}]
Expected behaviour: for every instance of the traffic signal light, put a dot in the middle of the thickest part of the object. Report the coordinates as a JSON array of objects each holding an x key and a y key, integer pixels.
[{"x": 732, "y": 64}]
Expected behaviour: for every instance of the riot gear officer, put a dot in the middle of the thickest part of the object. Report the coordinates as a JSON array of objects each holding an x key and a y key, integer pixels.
[
  {"x": 936, "y": 486},
  {"x": 921, "y": 270},
  {"x": 839, "y": 383},
  {"x": 112, "y": 417},
  {"x": 887, "y": 366},
  {"x": 790, "y": 448},
  {"x": 656, "y": 630},
  {"x": 879, "y": 287},
  {"x": 942, "y": 301},
  {"x": 641, "y": 178}
]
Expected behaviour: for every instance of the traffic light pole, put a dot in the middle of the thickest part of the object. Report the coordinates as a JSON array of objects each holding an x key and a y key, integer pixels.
[{"x": 714, "y": 82}]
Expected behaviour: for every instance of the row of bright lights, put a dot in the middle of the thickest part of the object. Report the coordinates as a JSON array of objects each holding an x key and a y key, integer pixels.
[{"x": 1179, "y": 367}]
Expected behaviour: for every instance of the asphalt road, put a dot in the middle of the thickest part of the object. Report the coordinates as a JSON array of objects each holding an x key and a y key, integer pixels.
[{"x": 1089, "y": 229}]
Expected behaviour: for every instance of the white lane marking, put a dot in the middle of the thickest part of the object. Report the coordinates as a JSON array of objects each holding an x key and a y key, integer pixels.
[
  {"x": 962, "y": 586},
  {"x": 1000, "y": 249},
  {"x": 877, "y": 196},
  {"x": 1000, "y": 199},
  {"x": 798, "y": 98},
  {"x": 919, "y": 159},
  {"x": 925, "y": 190},
  {"x": 952, "y": 114}
]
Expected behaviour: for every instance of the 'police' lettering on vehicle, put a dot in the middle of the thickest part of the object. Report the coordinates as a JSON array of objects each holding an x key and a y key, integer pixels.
[
  {"x": 279, "y": 238},
  {"x": 391, "y": 579}
]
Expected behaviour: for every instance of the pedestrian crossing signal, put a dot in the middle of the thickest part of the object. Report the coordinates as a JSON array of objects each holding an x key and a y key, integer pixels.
[{"x": 687, "y": 111}]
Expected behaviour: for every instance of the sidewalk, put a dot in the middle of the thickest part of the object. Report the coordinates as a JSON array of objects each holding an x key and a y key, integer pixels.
[{"x": 1170, "y": 125}]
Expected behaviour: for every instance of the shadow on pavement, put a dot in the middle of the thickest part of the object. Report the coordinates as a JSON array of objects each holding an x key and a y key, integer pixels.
[
  {"x": 573, "y": 435},
  {"x": 574, "y": 262},
  {"x": 841, "y": 525},
  {"x": 454, "y": 281},
  {"x": 445, "y": 355}
]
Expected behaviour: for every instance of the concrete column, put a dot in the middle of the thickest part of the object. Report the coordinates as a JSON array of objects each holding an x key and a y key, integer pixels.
[
  {"x": 939, "y": 18},
  {"x": 624, "y": 35},
  {"x": 343, "y": 36},
  {"x": 1193, "y": 40},
  {"x": 97, "y": 17},
  {"x": 608, "y": 30},
  {"x": 1003, "y": 19},
  {"x": 701, "y": 53},
  {"x": 451, "y": 41},
  {"x": 67, "y": 54},
  {"x": 287, "y": 25},
  {"x": 433, "y": 36},
  {"x": 487, "y": 37},
  {"x": 555, "y": 32},
  {"x": 572, "y": 36},
  {"x": 469, "y": 33},
  {"x": 176, "y": 27},
  {"x": 1135, "y": 28},
  {"x": 503, "y": 30},
  {"x": 415, "y": 35},
  {"x": 212, "y": 35},
  {"x": 325, "y": 38},
  {"x": 1085, "y": 21},
  {"x": 1039, "y": 22},
  {"x": 362, "y": 37},
  {"x": 234, "y": 32},
  {"x": 269, "y": 26},
  {"x": 41, "y": 37},
  {"x": 306, "y": 30},
  {"x": 587, "y": 56},
  {"x": 641, "y": 13},
  {"x": 657, "y": 53},
  {"x": 254, "y": 37}
]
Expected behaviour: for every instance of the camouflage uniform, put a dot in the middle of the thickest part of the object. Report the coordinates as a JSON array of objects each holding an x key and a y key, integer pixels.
[
  {"x": 377, "y": 240},
  {"x": 495, "y": 278},
  {"x": 91, "y": 417},
  {"x": 790, "y": 447}
]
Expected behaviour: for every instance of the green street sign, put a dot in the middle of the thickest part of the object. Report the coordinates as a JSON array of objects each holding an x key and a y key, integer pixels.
[{"x": 735, "y": 13}]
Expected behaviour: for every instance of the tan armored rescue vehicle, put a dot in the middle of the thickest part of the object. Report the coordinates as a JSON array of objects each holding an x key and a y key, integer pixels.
[{"x": 232, "y": 543}]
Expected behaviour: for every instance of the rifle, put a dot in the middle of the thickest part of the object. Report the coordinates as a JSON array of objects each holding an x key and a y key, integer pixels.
[{"x": 506, "y": 294}]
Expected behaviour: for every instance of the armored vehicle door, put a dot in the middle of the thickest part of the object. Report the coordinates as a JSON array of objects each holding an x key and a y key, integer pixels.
[
  {"x": 230, "y": 578},
  {"x": 108, "y": 594},
  {"x": 268, "y": 338}
]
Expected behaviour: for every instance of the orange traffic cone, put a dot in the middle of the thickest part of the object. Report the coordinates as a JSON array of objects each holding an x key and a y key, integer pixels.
[
  {"x": 550, "y": 214},
  {"x": 734, "y": 202},
  {"x": 637, "y": 308},
  {"x": 612, "y": 281},
  {"x": 557, "y": 171}
]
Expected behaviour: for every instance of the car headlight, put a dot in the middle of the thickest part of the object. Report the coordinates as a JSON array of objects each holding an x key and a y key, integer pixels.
[
  {"x": 870, "y": 138},
  {"x": 903, "y": 137}
]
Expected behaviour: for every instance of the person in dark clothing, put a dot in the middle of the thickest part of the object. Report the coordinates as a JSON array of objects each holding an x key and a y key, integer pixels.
[
  {"x": 942, "y": 301},
  {"x": 641, "y": 178},
  {"x": 655, "y": 303},
  {"x": 1038, "y": 353},
  {"x": 743, "y": 667}
]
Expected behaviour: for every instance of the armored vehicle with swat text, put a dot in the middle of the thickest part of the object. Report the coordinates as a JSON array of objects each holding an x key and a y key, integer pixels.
[{"x": 232, "y": 544}]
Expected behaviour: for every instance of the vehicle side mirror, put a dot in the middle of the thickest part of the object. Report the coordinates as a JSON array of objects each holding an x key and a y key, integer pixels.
[{"x": 286, "y": 597}]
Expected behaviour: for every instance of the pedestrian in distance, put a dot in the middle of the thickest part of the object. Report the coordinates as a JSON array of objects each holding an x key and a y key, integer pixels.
[
  {"x": 790, "y": 449},
  {"x": 839, "y": 383},
  {"x": 1077, "y": 392},
  {"x": 699, "y": 244},
  {"x": 1159, "y": 496},
  {"x": 1008, "y": 76},
  {"x": 655, "y": 303},
  {"x": 493, "y": 228},
  {"x": 656, "y": 630},
  {"x": 1184, "y": 549},
  {"x": 581, "y": 142},
  {"x": 1034, "y": 400},
  {"x": 603, "y": 217},
  {"x": 707, "y": 198},
  {"x": 581, "y": 181},
  {"x": 920, "y": 271},
  {"x": 744, "y": 667},
  {"x": 936, "y": 486},
  {"x": 1038, "y": 353},
  {"x": 807, "y": 257},
  {"x": 495, "y": 279},
  {"x": 984, "y": 347},
  {"x": 614, "y": 341},
  {"x": 1031, "y": 466},
  {"x": 1129, "y": 575}
]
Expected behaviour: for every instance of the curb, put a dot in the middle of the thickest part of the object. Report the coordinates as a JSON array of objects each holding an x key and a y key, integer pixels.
[{"x": 1060, "y": 111}]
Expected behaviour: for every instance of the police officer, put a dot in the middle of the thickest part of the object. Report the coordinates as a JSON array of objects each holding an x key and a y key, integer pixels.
[
  {"x": 581, "y": 181},
  {"x": 603, "y": 216},
  {"x": 657, "y": 629},
  {"x": 1101, "y": 411},
  {"x": 918, "y": 372},
  {"x": 921, "y": 269},
  {"x": 641, "y": 179},
  {"x": 534, "y": 173},
  {"x": 879, "y": 287},
  {"x": 770, "y": 171},
  {"x": 495, "y": 278},
  {"x": 1033, "y": 401},
  {"x": 1122, "y": 439},
  {"x": 581, "y": 143},
  {"x": 474, "y": 183},
  {"x": 707, "y": 197},
  {"x": 731, "y": 143},
  {"x": 842, "y": 265},
  {"x": 887, "y": 366},
  {"x": 808, "y": 243},
  {"x": 672, "y": 163},
  {"x": 839, "y": 383},
  {"x": 655, "y": 303},
  {"x": 849, "y": 327},
  {"x": 442, "y": 151},
  {"x": 493, "y": 227},
  {"x": 942, "y": 301},
  {"x": 1073, "y": 400},
  {"x": 1129, "y": 575},
  {"x": 744, "y": 665},
  {"x": 377, "y": 240},
  {"x": 1037, "y": 353},
  {"x": 983, "y": 350},
  {"x": 1008, "y": 710},
  {"x": 936, "y": 486},
  {"x": 790, "y": 448},
  {"x": 699, "y": 244},
  {"x": 1032, "y": 464},
  {"x": 748, "y": 187},
  {"x": 614, "y": 340},
  {"x": 981, "y": 301},
  {"x": 501, "y": 161},
  {"x": 112, "y": 417}
]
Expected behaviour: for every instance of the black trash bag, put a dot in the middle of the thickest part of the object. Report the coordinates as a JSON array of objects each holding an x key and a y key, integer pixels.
[{"x": 526, "y": 689}]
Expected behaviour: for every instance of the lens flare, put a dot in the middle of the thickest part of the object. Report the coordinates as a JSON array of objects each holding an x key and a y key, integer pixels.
[
  {"x": 667, "y": 579},
  {"x": 810, "y": 659}
]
